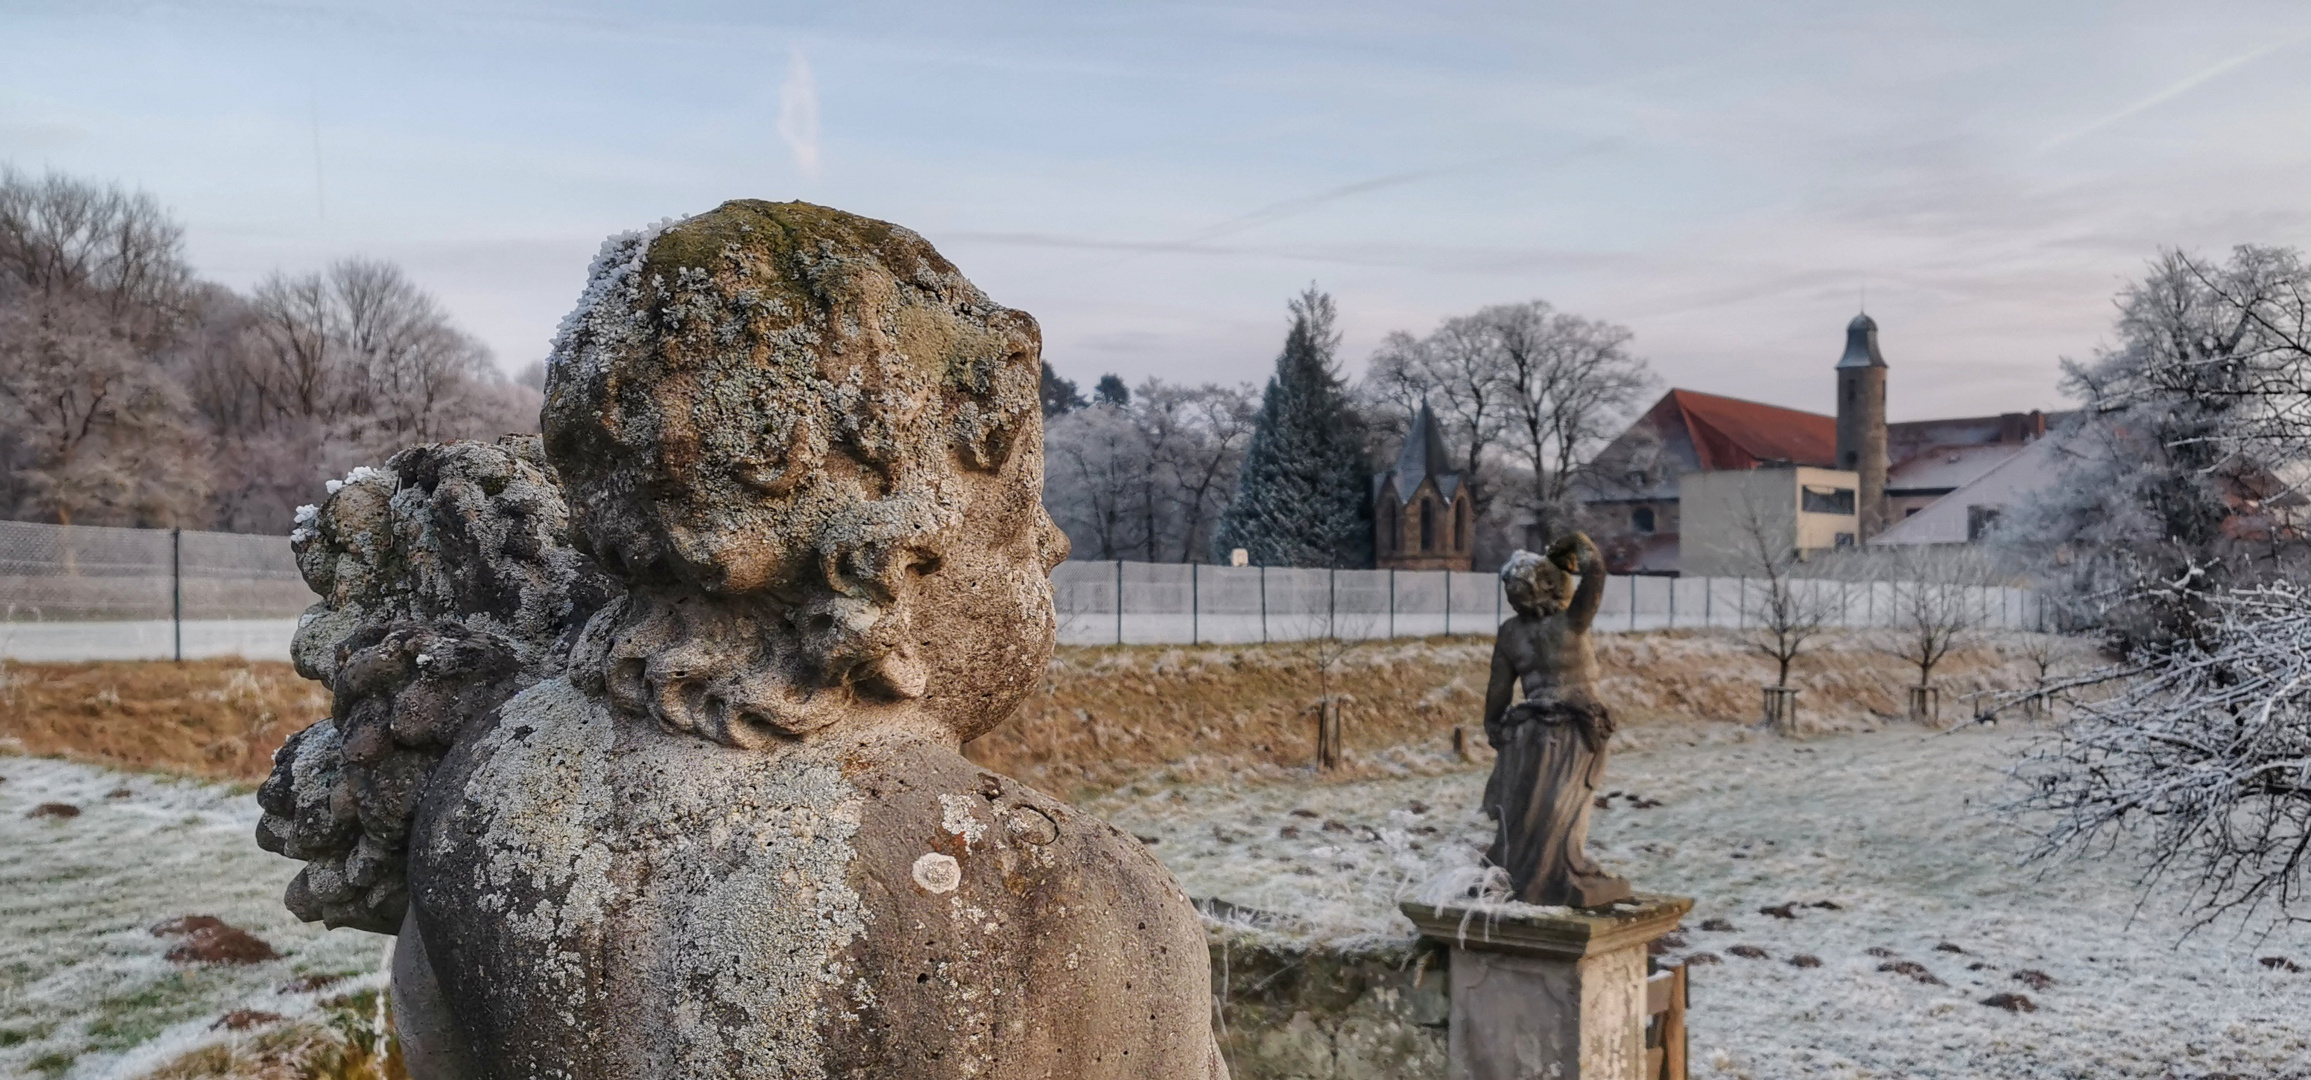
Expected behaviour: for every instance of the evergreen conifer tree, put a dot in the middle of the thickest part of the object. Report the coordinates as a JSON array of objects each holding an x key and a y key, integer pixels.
[{"x": 1304, "y": 498}]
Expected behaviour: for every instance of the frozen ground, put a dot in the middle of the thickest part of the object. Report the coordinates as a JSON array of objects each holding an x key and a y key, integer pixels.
[
  {"x": 1891, "y": 828},
  {"x": 84, "y": 989},
  {"x": 1887, "y": 826}
]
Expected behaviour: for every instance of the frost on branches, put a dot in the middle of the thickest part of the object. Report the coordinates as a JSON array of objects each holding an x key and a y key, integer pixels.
[
  {"x": 2186, "y": 464},
  {"x": 2202, "y": 750}
]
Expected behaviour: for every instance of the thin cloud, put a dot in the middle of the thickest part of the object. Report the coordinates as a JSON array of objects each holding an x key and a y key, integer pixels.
[
  {"x": 798, "y": 113},
  {"x": 2172, "y": 92}
]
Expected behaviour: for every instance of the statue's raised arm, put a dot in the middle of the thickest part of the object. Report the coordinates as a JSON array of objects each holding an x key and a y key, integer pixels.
[{"x": 1577, "y": 554}]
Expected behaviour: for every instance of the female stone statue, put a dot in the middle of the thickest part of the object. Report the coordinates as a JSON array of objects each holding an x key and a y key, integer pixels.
[{"x": 1552, "y": 744}]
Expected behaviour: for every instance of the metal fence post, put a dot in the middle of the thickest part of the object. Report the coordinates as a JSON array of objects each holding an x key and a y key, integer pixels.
[
  {"x": 1708, "y": 602},
  {"x": 1448, "y": 602},
  {"x": 1392, "y": 603},
  {"x": 1632, "y": 601},
  {"x": 1741, "y": 602},
  {"x": 177, "y": 589},
  {"x": 1119, "y": 601},
  {"x": 1673, "y": 603},
  {"x": 1263, "y": 603},
  {"x": 1332, "y": 603},
  {"x": 1195, "y": 604}
]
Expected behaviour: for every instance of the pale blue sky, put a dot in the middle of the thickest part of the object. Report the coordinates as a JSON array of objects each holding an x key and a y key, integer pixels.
[{"x": 1152, "y": 181}]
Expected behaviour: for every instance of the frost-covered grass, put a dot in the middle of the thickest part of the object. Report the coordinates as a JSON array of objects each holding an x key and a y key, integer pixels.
[
  {"x": 1891, "y": 826},
  {"x": 84, "y": 989}
]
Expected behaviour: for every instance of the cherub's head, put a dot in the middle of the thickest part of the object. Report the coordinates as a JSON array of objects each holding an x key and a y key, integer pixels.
[
  {"x": 813, "y": 452},
  {"x": 1535, "y": 586}
]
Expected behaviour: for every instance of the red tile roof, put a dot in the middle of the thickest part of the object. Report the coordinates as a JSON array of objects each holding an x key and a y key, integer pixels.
[{"x": 1729, "y": 433}]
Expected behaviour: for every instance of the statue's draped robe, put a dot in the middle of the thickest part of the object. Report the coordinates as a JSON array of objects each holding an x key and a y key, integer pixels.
[{"x": 1543, "y": 785}]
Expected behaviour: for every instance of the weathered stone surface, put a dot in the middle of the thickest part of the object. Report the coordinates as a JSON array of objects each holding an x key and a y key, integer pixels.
[
  {"x": 1552, "y": 744},
  {"x": 1553, "y": 992},
  {"x": 446, "y": 585},
  {"x": 737, "y": 837},
  {"x": 1296, "y": 1010}
]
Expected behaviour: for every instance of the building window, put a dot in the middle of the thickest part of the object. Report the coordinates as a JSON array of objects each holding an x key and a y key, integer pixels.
[
  {"x": 1844, "y": 540},
  {"x": 1461, "y": 525},
  {"x": 1851, "y": 386},
  {"x": 1827, "y": 500},
  {"x": 1849, "y": 459},
  {"x": 1390, "y": 539},
  {"x": 1427, "y": 525},
  {"x": 1642, "y": 518},
  {"x": 1979, "y": 521}
]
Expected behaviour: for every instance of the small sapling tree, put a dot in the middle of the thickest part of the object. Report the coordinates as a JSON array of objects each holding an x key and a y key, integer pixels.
[{"x": 1938, "y": 607}]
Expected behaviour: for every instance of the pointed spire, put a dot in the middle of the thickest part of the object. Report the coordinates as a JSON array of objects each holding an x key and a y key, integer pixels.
[{"x": 1424, "y": 454}]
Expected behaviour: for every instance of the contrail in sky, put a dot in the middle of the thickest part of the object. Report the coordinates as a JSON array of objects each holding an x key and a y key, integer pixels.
[
  {"x": 1200, "y": 241},
  {"x": 798, "y": 113},
  {"x": 2172, "y": 92}
]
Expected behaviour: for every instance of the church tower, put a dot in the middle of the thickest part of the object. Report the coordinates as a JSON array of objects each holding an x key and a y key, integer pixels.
[{"x": 1862, "y": 420}]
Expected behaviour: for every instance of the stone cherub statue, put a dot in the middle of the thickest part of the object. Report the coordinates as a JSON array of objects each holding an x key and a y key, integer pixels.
[
  {"x": 646, "y": 738},
  {"x": 1552, "y": 744}
]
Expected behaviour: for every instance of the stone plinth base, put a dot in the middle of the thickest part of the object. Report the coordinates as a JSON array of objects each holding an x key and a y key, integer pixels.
[{"x": 1555, "y": 993}]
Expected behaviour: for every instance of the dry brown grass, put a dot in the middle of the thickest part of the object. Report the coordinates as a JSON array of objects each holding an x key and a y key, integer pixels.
[
  {"x": 1108, "y": 716},
  {"x": 213, "y": 718},
  {"x": 1103, "y": 716}
]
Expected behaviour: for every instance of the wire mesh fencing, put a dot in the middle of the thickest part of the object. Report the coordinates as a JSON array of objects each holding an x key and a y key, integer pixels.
[
  {"x": 79, "y": 592},
  {"x": 1109, "y": 603},
  {"x": 91, "y": 593}
]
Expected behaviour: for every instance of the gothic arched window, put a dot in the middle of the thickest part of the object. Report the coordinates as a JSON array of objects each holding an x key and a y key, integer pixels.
[
  {"x": 1460, "y": 529},
  {"x": 1427, "y": 524}
]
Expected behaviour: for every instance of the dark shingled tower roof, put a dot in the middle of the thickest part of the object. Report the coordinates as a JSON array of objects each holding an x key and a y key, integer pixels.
[
  {"x": 1424, "y": 455},
  {"x": 1862, "y": 344}
]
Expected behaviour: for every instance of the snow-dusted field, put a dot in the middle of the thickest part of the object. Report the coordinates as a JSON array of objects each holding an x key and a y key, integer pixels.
[
  {"x": 1892, "y": 828},
  {"x": 84, "y": 989},
  {"x": 1888, "y": 826}
]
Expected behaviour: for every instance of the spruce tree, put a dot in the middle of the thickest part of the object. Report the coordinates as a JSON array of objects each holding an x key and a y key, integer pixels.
[
  {"x": 1304, "y": 498},
  {"x": 1059, "y": 395}
]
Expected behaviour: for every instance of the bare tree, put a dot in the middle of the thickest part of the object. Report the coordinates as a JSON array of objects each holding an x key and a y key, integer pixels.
[
  {"x": 2186, "y": 463},
  {"x": 60, "y": 237},
  {"x": 1196, "y": 439},
  {"x": 1093, "y": 460},
  {"x": 2200, "y": 751},
  {"x": 1937, "y": 608},
  {"x": 1147, "y": 478},
  {"x": 1571, "y": 381},
  {"x": 1460, "y": 371},
  {"x": 1937, "y": 604},
  {"x": 1786, "y": 612},
  {"x": 101, "y": 431}
]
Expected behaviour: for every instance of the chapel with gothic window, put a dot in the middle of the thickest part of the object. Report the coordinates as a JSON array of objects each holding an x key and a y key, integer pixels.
[{"x": 1421, "y": 515}]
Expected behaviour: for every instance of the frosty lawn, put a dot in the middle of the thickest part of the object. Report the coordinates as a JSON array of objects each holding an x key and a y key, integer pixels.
[
  {"x": 1888, "y": 826},
  {"x": 84, "y": 989}
]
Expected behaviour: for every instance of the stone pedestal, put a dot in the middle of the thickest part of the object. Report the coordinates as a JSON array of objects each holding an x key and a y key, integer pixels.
[{"x": 1549, "y": 993}]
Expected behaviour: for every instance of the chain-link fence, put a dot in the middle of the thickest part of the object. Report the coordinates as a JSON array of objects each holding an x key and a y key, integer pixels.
[
  {"x": 77, "y": 592},
  {"x": 85, "y": 593},
  {"x": 1171, "y": 603}
]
